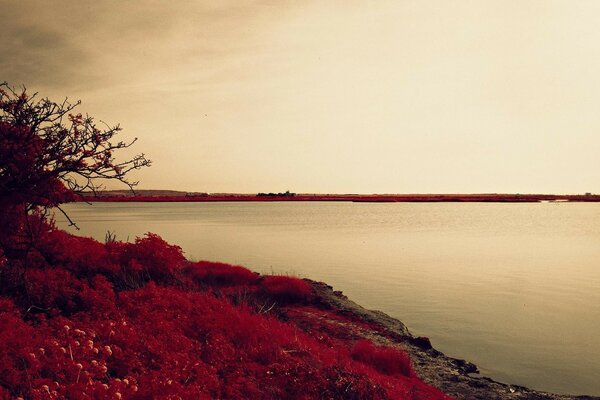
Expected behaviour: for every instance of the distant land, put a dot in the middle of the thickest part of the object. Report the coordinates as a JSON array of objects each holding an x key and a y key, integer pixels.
[{"x": 180, "y": 196}]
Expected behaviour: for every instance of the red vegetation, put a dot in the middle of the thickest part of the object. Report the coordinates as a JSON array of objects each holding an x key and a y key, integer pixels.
[
  {"x": 136, "y": 320},
  {"x": 287, "y": 289},
  {"x": 162, "y": 196},
  {"x": 219, "y": 274},
  {"x": 384, "y": 359}
]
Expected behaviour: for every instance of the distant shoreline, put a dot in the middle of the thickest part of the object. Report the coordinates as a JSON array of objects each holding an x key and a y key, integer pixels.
[{"x": 176, "y": 196}]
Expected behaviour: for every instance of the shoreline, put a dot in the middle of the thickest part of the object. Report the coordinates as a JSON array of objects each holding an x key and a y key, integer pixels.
[
  {"x": 175, "y": 196},
  {"x": 455, "y": 377}
]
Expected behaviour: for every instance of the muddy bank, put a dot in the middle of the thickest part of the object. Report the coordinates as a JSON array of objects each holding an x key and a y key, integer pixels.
[{"x": 458, "y": 378}]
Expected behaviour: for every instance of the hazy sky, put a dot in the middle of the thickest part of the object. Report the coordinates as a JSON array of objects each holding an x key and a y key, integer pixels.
[{"x": 328, "y": 96}]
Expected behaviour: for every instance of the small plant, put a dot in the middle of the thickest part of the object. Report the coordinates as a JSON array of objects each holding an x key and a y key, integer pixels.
[
  {"x": 220, "y": 274},
  {"x": 286, "y": 289},
  {"x": 386, "y": 360}
]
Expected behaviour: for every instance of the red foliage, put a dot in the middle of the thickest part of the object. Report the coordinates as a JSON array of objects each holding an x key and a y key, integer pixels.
[
  {"x": 220, "y": 274},
  {"x": 287, "y": 289},
  {"x": 17, "y": 342},
  {"x": 387, "y": 360},
  {"x": 47, "y": 288},
  {"x": 73, "y": 328},
  {"x": 154, "y": 257},
  {"x": 81, "y": 256}
]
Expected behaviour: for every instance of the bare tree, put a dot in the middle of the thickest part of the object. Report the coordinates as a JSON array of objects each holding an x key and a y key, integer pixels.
[{"x": 48, "y": 155}]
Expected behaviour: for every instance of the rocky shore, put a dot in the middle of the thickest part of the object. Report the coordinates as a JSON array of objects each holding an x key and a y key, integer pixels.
[{"x": 455, "y": 377}]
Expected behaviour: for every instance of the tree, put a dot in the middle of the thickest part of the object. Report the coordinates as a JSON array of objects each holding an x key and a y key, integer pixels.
[{"x": 48, "y": 155}]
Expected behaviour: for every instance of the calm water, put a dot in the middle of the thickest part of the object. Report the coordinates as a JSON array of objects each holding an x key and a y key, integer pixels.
[{"x": 513, "y": 288}]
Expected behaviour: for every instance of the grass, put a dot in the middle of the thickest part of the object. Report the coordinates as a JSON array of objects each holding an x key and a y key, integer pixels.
[{"x": 79, "y": 318}]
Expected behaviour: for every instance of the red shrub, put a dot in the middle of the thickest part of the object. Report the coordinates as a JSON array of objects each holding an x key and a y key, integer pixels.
[
  {"x": 150, "y": 257},
  {"x": 17, "y": 344},
  {"x": 53, "y": 288},
  {"x": 387, "y": 360},
  {"x": 83, "y": 256},
  {"x": 349, "y": 385},
  {"x": 286, "y": 289},
  {"x": 98, "y": 297},
  {"x": 58, "y": 290},
  {"x": 212, "y": 273}
]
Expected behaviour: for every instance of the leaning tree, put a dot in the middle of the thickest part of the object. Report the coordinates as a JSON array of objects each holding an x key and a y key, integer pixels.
[{"x": 48, "y": 155}]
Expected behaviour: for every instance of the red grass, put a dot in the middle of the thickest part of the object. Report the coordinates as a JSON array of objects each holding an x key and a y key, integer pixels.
[
  {"x": 286, "y": 289},
  {"x": 212, "y": 273},
  {"x": 136, "y": 321},
  {"x": 386, "y": 360}
]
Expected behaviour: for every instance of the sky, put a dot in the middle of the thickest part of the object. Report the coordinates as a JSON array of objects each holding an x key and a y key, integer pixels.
[{"x": 328, "y": 96}]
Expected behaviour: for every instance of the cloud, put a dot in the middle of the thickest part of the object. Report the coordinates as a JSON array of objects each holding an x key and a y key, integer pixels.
[
  {"x": 37, "y": 54},
  {"x": 296, "y": 88},
  {"x": 93, "y": 45}
]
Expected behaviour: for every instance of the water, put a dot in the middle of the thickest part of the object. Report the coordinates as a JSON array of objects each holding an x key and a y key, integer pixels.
[{"x": 513, "y": 288}]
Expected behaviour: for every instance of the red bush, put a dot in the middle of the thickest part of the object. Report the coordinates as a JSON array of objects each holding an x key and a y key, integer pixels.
[
  {"x": 57, "y": 290},
  {"x": 149, "y": 258},
  {"x": 160, "y": 256},
  {"x": 17, "y": 346},
  {"x": 387, "y": 360},
  {"x": 54, "y": 288},
  {"x": 82, "y": 256},
  {"x": 212, "y": 273},
  {"x": 286, "y": 289}
]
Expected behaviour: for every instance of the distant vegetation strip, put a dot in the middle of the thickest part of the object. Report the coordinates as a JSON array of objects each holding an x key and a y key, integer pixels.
[{"x": 174, "y": 196}]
